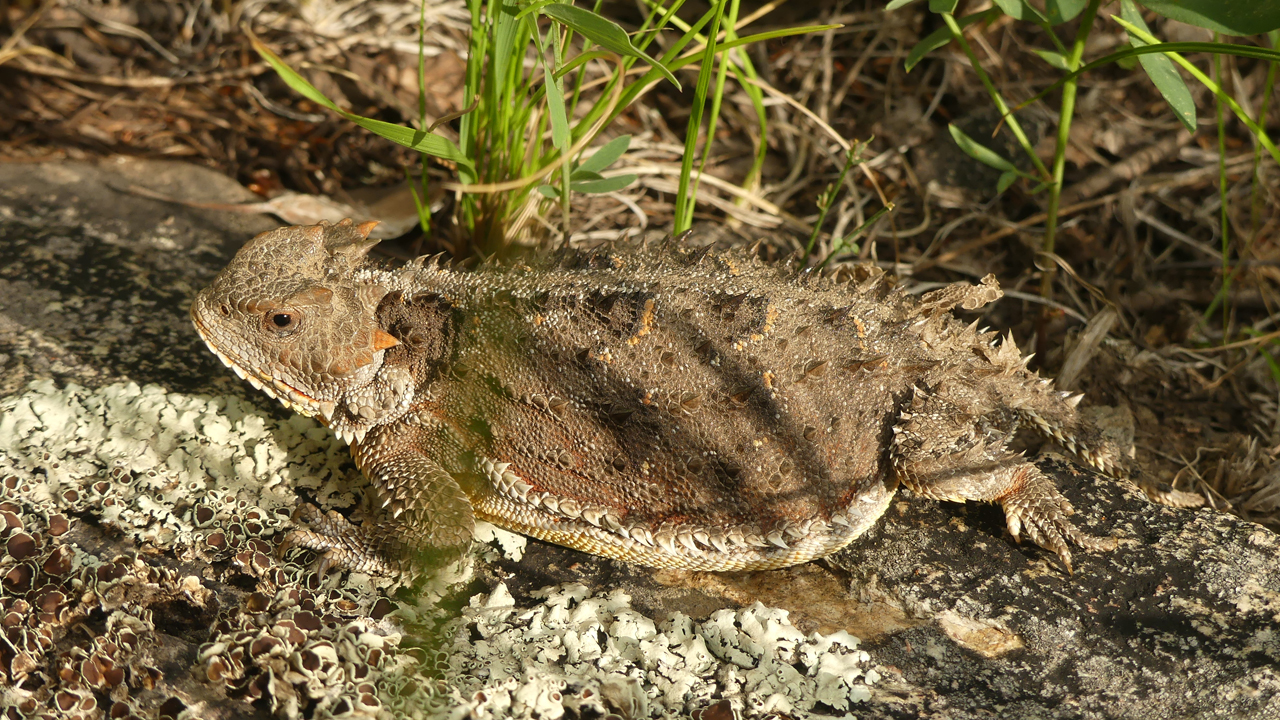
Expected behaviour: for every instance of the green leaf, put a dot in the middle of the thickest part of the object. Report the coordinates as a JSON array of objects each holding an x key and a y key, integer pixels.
[
  {"x": 607, "y": 155},
  {"x": 1007, "y": 178},
  {"x": 604, "y": 185},
  {"x": 1060, "y": 11},
  {"x": 533, "y": 8},
  {"x": 1053, "y": 58},
  {"x": 979, "y": 152},
  {"x": 895, "y": 4},
  {"x": 560, "y": 133},
  {"x": 940, "y": 37},
  {"x": 605, "y": 33},
  {"x": 417, "y": 140},
  {"x": 583, "y": 175},
  {"x": 943, "y": 6},
  {"x": 770, "y": 35},
  {"x": 1020, "y": 10},
  {"x": 1162, "y": 72},
  {"x": 1232, "y": 17}
]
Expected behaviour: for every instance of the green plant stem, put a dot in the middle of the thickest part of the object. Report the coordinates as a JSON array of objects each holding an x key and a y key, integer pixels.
[
  {"x": 828, "y": 198},
  {"x": 557, "y": 58},
  {"x": 1224, "y": 213},
  {"x": 684, "y": 201},
  {"x": 744, "y": 72},
  {"x": 582, "y": 73},
  {"x": 1255, "y": 194},
  {"x": 1065, "y": 115},
  {"x": 1014, "y": 126},
  {"x": 741, "y": 66},
  {"x": 714, "y": 116},
  {"x": 843, "y": 242},
  {"x": 421, "y": 205}
]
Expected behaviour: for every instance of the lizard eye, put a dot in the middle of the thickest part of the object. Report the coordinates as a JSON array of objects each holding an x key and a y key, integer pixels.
[{"x": 282, "y": 322}]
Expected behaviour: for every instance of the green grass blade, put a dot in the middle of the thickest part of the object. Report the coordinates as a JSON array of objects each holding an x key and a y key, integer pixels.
[
  {"x": 743, "y": 72},
  {"x": 942, "y": 36},
  {"x": 468, "y": 125},
  {"x": 1015, "y": 127},
  {"x": 713, "y": 118},
  {"x": 1232, "y": 17},
  {"x": 607, "y": 155},
  {"x": 774, "y": 34},
  {"x": 686, "y": 197},
  {"x": 561, "y": 135},
  {"x": 605, "y": 33},
  {"x": 1054, "y": 58},
  {"x": 980, "y": 152},
  {"x": 417, "y": 140},
  {"x": 845, "y": 242},
  {"x": 1020, "y": 10},
  {"x": 603, "y": 185},
  {"x": 828, "y": 196},
  {"x": 1007, "y": 178},
  {"x": 1060, "y": 11},
  {"x": 1162, "y": 72},
  {"x": 1244, "y": 50}
]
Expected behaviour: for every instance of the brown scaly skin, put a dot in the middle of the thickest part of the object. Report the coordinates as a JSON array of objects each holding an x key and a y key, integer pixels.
[{"x": 680, "y": 410}]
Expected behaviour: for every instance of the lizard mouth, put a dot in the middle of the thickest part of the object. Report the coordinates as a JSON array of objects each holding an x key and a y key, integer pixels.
[{"x": 289, "y": 396}]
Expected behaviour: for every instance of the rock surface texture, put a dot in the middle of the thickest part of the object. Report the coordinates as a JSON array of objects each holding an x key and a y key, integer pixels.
[{"x": 143, "y": 491}]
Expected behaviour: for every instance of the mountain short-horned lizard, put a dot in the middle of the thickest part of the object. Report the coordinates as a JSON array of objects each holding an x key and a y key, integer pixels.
[{"x": 675, "y": 409}]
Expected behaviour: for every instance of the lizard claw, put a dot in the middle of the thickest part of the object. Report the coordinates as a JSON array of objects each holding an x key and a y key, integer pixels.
[
  {"x": 1037, "y": 509},
  {"x": 341, "y": 544}
]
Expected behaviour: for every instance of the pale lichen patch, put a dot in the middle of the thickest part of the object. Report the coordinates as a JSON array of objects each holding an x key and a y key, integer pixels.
[{"x": 579, "y": 650}]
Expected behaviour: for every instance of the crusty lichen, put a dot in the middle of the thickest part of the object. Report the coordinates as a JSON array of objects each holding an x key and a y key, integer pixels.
[
  {"x": 211, "y": 481},
  {"x": 580, "y": 649}
]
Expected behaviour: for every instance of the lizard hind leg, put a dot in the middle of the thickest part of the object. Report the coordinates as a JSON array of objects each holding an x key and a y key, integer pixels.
[
  {"x": 423, "y": 518},
  {"x": 950, "y": 444}
]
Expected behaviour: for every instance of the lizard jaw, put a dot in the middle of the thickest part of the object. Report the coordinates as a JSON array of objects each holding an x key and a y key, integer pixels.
[{"x": 288, "y": 396}]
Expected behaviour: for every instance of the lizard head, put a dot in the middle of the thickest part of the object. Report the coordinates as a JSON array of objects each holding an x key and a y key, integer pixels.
[{"x": 292, "y": 315}]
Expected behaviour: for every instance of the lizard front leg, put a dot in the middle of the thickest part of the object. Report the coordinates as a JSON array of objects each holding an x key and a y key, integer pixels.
[
  {"x": 950, "y": 444},
  {"x": 424, "y": 519}
]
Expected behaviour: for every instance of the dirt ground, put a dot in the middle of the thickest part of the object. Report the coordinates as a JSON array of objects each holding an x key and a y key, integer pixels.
[{"x": 1136, "y": 318}]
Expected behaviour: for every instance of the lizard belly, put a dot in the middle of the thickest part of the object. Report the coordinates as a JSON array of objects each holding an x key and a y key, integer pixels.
[{"x": 822, "y": 539}]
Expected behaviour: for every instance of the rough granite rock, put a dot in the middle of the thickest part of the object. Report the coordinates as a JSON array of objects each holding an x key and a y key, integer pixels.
[{"x": 142, "y": 490}]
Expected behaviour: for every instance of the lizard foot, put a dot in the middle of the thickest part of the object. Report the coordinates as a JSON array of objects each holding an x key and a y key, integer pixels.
[
  {"x": 1035, "y": 506},
  {"x": 1164, "y": 494},
  {"x": 341, "y": 544}
]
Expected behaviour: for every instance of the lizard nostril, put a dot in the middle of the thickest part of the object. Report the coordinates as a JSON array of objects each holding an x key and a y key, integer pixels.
[{"x": 225, "y": 309}]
